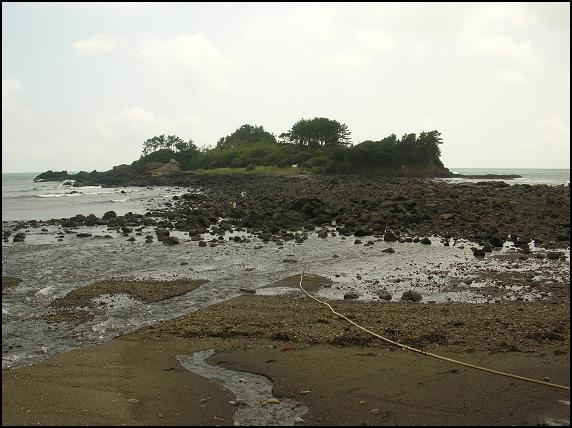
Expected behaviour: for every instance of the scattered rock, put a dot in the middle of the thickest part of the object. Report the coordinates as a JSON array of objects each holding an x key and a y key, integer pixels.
[
  {"x": 171, "y": 240},
  {"x": 411, "y": 296},
  {"x": 351, "y": 295},
  {"x": 19, "y": 237},
  {"x": 390, "y": 237},
  {"x": 389, "y": 250},
  {"x": 384, "y": 295}
]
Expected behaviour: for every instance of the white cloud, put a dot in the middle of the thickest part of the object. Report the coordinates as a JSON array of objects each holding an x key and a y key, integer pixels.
[
  {"x": 133, "y": 123},
  {"x": 506, "y": 49},
  {"x": 126, "y": 131},
  {"x": 10, "y": 87},
  {"x": 96, "y": 45},
  {"x": 188, "y": 57},
  {"x": 374, "y": 40},
  {"x": 556, "y": 132},
  {"x": 511, "y": 76}
]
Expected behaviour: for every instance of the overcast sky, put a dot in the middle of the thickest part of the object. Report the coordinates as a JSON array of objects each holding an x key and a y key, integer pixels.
[{"x": 83, "y": 85}]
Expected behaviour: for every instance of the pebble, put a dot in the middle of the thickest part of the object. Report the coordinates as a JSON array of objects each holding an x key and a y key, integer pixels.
[
  {"x": 375, "y": 411},
  {"x": 273, "y": 401},
  {"x": 304, "y": 392},
  {"x": 133, "y": 401},
  {"x": 299, "y": 420}
]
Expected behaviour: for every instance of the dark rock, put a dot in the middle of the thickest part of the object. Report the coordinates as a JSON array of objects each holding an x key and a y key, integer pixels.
[
  {"x": 384, "y": 295},
  {"x": 202, "y": 244},
  {"x": 495, "y": 241},
  {"x": 19, "y": 237},
  {"x": 555, "y": 255},
  {"x": 171, "y": 240},
  {"x": 83, "y": 235},
  {"x": 389, "y": 250},
  {"x": 390, "y": 237},
  {"x": 411, "y": 296},
  {"x": 477, "y": 252},
  {"x": 426, "y": 241},
  {"x": 351, "y": 295},
  {"x": 162, "y": 234},
  {"x": 487, "y": 248},
  {"x": 323, "y": 233}
]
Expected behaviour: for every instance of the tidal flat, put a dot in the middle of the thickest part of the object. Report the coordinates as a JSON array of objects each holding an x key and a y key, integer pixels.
[{"x": 240, "y": 245}]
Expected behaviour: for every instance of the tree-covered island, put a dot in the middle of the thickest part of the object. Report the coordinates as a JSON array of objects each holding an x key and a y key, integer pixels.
[{"x": 318, "y": 145}]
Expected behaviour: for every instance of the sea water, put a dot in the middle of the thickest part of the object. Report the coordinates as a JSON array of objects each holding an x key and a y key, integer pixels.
[{"x": 24, "y": 199}]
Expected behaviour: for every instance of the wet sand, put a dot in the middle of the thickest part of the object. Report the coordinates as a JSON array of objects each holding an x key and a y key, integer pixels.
[{"x": 352, "y": 380}]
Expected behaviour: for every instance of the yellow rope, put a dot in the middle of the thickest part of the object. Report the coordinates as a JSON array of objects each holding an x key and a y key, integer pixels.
[{"x": 429, "y": 354}]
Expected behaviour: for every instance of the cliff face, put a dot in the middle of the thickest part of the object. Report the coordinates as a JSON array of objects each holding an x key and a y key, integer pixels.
[{"x": 159, "y": 169}]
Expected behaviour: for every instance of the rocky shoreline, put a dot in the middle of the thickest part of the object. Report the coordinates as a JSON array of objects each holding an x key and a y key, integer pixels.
[{"x": 280, "y": 208}]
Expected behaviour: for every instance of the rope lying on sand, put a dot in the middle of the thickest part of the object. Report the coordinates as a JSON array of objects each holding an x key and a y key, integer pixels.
[{"x": 429, "y": 354}]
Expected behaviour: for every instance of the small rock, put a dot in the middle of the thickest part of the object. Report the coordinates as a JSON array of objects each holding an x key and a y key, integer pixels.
[
  {"x": 351, "y": 295},
  {"x": 299, "y": 420},
  {"x": 389, "y": 250},
  {"x": 272, "y": 401},
  {"x": 375, "y": 411},
  {"x": 426, "y": 241},
  {"x": 133, "y": 401},
  {"x": 411, "y": 296},
  {"x": 304, "y": 392},
  {"x": 554, "y": 255},
  {"x": 171, "y": 240},
  {"x": 389, "y": 237},
  {"x": 477, "y": 252},
  {"x": 289, "y": 260},
  {"x": 384, "y": 295}
]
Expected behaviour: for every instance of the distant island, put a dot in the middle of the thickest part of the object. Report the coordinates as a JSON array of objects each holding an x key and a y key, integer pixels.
[{"x": 319, "y": 146}]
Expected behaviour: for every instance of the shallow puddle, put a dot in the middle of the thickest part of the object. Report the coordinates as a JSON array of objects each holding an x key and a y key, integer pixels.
[{"x": 255, "y": 404}]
